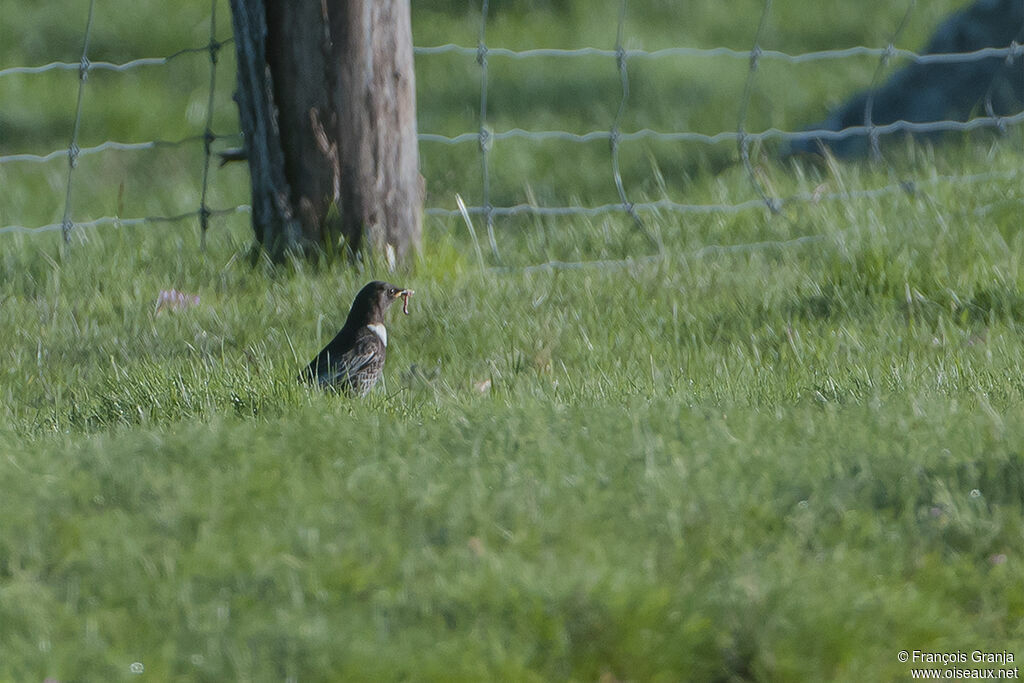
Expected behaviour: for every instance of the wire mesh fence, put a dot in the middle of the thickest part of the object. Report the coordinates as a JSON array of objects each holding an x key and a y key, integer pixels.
[{"x": 621, "y": 61}]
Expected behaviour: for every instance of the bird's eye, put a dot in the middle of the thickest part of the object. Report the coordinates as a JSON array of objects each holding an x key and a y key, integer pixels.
[{"x": 392, "y": 291}]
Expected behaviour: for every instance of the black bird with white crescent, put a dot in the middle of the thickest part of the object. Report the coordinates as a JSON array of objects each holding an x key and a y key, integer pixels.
[{"x": 354, "y": 360}]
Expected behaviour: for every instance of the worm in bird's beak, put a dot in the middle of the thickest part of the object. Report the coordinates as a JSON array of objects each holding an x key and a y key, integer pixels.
[{"x": 405, "y": 294}]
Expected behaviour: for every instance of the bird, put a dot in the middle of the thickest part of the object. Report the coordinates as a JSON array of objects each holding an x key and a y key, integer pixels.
[{"x": 354, "y": 360}]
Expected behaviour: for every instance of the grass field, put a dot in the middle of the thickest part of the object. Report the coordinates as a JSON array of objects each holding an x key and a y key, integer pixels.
[{"x": 775, "y": 448}]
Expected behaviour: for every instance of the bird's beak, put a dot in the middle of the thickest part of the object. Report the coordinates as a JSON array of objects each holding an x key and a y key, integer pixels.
[{"x": 405, "y": 294}]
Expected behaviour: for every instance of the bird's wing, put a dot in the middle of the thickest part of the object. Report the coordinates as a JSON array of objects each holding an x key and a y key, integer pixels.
[{"x": 365, "y": 352}]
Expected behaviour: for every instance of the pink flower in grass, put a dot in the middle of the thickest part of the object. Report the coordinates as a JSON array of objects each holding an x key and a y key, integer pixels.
[{"x": 174, "y": 300}]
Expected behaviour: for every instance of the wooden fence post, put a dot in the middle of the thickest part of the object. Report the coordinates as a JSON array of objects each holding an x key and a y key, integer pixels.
[{"x": 327, "y": 101}]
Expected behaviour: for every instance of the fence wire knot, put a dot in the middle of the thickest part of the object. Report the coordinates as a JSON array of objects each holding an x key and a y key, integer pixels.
[
  {"x": 755, "y": 56},
  {"x": 890, "y": 52},
  {"x": 620, "y": 57},
  {"x": 998, "y": 119},
  {"x": 485, "y": 139},
  {"x": 1016, "y": 50},
  {"x": 614, "y": 137},
  {"x": 208, "y": 138},
  {"x": 481, "y": 54},
  {"x": 83, "y": 68},
  {"x": 744, "y": 144},
  {"x": 73, "y": 152},
  {"x": 875, "y": 139},
  {"x": 204, "y": 217},
  {"x": 214, "y": 48}
]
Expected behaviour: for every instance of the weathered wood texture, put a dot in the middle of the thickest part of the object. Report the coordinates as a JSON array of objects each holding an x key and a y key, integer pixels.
[
  {"x": 272, "y": 218},
  {"x": 341, "y": 97},
  {"x": 374, "y": 94}
]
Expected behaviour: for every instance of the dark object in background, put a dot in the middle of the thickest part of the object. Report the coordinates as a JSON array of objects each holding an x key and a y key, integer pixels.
[
  {"x": 939, "y": 91},
  {"x": 354, "y": 360}
]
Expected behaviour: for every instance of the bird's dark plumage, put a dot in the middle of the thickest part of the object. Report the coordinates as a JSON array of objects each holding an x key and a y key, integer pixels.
[{"x": 354, "y": 360}]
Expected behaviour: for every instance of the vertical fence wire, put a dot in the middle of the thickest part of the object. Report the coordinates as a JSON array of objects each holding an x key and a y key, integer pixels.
[
  {"x": 742, "y": 139},
  {"x": 486, "y": 139},
  {"x": 1000, "y": 123},
  {"x": 73, "y": 148},
  {"x": 615, "y": 136},
  {"x": 208, "y": 135},
  {"x": 883, "y": 62}
]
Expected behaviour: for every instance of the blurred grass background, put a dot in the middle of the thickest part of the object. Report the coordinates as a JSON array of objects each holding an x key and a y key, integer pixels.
[{"x": 784, "y": 461}]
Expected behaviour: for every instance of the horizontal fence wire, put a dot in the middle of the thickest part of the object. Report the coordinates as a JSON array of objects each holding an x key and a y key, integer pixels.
[
  {"x": 904, "y": 187},
  {"x": 735, "y": 136},
  {"x": 602, "y": 135},
  {"x": 1013, "y": 51},
  {"x": 110, "y": 66},
  {"x": 112, "y": 145},
  {"x": 614, "y": 137},
  {"x": 762, "y": 245},
  {"x": 127, "y": 222}
]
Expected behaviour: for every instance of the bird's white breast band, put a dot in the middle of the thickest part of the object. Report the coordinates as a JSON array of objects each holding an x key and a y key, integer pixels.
[{"x": 380, "y": 331}]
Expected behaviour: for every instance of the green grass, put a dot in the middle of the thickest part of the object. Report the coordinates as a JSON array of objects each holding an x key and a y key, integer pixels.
[
  {"x": 774, "y": 448},
  {"x": 538, "y": 540},
  {"x": 784, "y": 463}
]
